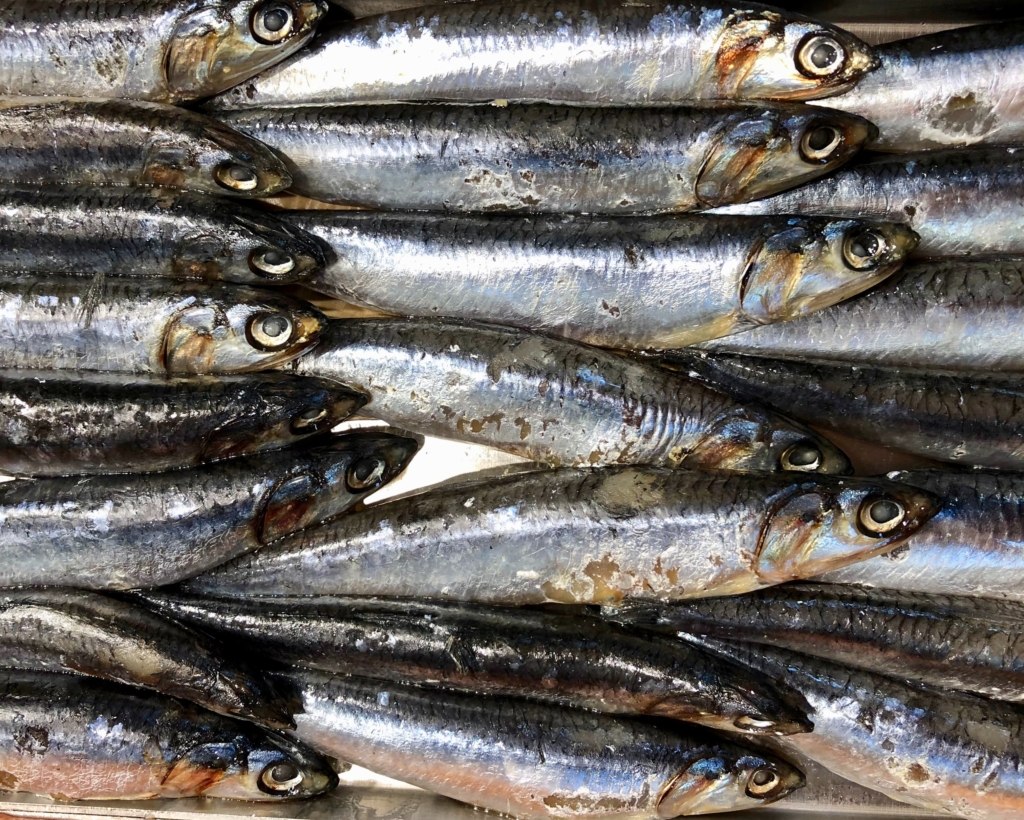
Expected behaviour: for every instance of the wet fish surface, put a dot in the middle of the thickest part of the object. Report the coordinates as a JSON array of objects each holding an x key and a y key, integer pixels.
[
  {"x": 59, "y": 423},
  {"x": 123, "y": 532},
  {"x": 73, "y": 738},
  {"x": 572, "y": 661},
  {"x": 135, "y": 326},
  {"x": 553, "y": 401},
  {"x": 551, "y": 159},
  {"x": 616, "y": 282},
  {"x": 533, "y": 760},
  {"x": 587, "y": 537},
  {"x": 75, "y": 143},
  {"x": 167, "y": 51}
]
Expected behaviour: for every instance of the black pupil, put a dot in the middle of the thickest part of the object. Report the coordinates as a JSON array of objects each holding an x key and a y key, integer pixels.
[
  {"x": 865, "y": 245},
  {"x": 882, "y": 512},
  {"x": 283, "y": 772},
  {"x": 277, "y": 19},
  {"x": 240, "y": 174},
  {"x": 276, "y": 258},
  {"x": 821, "y": 138},
  {"x": 762, "y": 778},
  {"x": 803, "y": 456},
  {"x": 274, "y": 326},
  {"x": 824, "y": 55},
  {"x": 365, "y": 469}
]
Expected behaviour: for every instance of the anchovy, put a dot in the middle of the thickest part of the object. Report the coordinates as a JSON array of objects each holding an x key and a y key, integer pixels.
[
  {"x": 613, "y": 281},
  {"x": 572, "y": 661},
  {"x": 168, "y": 328},
  {"x": 587, "y": 537},
  {"x": 67, "y": 142},
  {"x": 73, "y": 738},
  {"x": 533, "y": 760},
  {"x": 551, "y": 159},
  {"x": 123, "y": 532},
  {"x": 934, "y": 192},
  {"x": 58, "y": 423},
  {"x": 554, "y": 401}
]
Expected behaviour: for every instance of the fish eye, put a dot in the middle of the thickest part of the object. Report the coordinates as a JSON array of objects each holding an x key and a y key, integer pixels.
[
  {"x": 762, "y": 783},
  {"x": 271, "y": 262},
  {"x": 801, "y": 458},
  {"x": 880, "y": 516},
  {"x": 237, "y": 177},
  {"x": 270, "y": 331},
  {"x": 272, "y": 23},
  {"x": 366, "y": 474},
  {"x": 309, "y": 420},
  {"x": 864, "y": 249},
  {"x": 820, "y": 56},
  {"x": 820, "y": 142},
  {"x": 279, "y": 778}
]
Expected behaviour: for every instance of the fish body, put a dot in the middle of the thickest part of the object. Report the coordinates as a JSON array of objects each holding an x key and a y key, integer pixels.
[{"x": 551, "y": 159}]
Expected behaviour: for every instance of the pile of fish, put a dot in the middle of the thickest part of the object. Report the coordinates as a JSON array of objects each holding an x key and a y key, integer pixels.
[{"x": 634, "y": 245}]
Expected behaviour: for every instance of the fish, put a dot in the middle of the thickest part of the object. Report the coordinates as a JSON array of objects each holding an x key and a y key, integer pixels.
[
  {"x": 551, "y": 159},
  {"x": 958, "y": 315},
  {"x": 168, "y": 51},
  {"x": 532, "y": 760},
  {"x": 553, "y": 401},
  {"x": 949, "y": 752},
  {"x": 129, "y": 531},
  {"x": 150, "y": 233},
  {"x": 587, "y": 537},
  {"x": 62, "y": 423},
  {"x": 942, "y": 641},
  {"x": 106, "y": 143},
  {"x": 572, "y": 661},
  {"x": 959, "y": 417},
  {"x": 936, "y": 193},
  {"x": 75, "y": 738},
  {"x": 158, "y": 327},
  {"x": 622, "y": 282}
]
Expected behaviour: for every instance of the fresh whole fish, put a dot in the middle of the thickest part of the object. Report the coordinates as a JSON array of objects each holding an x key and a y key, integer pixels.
[
  {"x": 947, "y": 642},
  {"x": 587, "y": 537},
  {"x": 122, "y": 532},
  {"x": 533, "y": 760},
  {"x": 167, "y": 51},
  {"x": 554, "y": 401},
  {"x": 551, "y": 159},
  {"x": 573, "y": 661},
  {"x": 973, "y": 420},
  {"x": 55, "y": 423},
  {"x": 72, "y": 738},
  {"x": 167, "y": 328},
  {"x": 149, "y": 233},
  {"x": 613, "y": 281},
  {"x": 69, "y": 142}
]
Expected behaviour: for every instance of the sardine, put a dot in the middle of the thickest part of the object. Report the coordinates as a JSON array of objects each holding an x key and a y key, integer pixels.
[
  {"x": 72, "y": 738},
  {"x": 167, "y": 51},
  {"x": 55, "y": 423},
  {"x": 587, "y": 537},
  {"x": 167, "y": 328},
  {"x": 572, "y": 661},
  {"x": 533, "y": 760},
  {"x": 551, "y": 159},
  {"x": 617, "y": 282},
  {"x": 554, "y": 401},
  {"x": 122, "y": 532},
  {"x": 69, "y": 142},
  {"x": 149, "y": 233}
]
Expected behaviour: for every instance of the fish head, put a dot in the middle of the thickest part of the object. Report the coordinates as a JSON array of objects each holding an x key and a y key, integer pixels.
[
  {"x": 762, "y": 151},
  {"x": 812, "y": 264},
  {"x": 237, "y": 330},
  {"x": 221, "y": 43},
  {"x": 824, "y": 525},
  {"x": 745, "y": 704}
]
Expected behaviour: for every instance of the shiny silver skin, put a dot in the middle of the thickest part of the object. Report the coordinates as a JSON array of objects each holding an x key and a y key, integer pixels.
[
  {"x": 73, "y": 738},
  {"x": 564, "y": 659},
  {"x": 167, "y": 51},
  {"x": 974, "y": 546},
  {"x": 591, "y": 52},
  {"x": 166, "y": 328},
  {"x": 551, "y": 159},
  {"x": 621, "y": 282},
  {"x": 957, "y": 315},
  {"x": 550, "y": 400},
  {"x": 966, "y": 419},
  {"x": 943, "y": 641},
  {"x": 78, "y": 632},
  {"x": 149, "y": 233},
  {"x": 949, "y": 752},
  {"x": 532, "y": 760},
  {"x": 123, "y": 532},
  {"x": 71, "y": 142},
  {"x": 584, "y": 537},
  {"x": 59, "y": 423},
  {"x": 937, "y": 193},
  {"x": 950, "y": 89}
]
